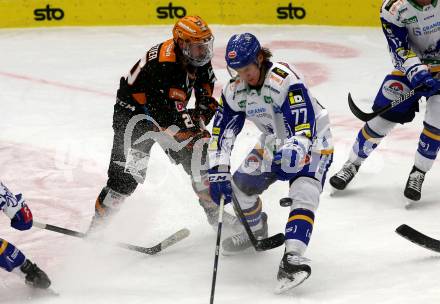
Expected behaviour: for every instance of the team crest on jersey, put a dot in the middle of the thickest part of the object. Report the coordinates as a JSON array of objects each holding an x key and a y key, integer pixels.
[
  {"x": 296, "y": 97},
  {"x": 280, "y": 72}
]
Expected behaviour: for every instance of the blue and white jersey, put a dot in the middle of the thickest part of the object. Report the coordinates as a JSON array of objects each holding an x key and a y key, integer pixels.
[
  {"x": 412, "y": 32},
  {"x": 8, "y": 202},
  {"x": 281, "y": 109}
]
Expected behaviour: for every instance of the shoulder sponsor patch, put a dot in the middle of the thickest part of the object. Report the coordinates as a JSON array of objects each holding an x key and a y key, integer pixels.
[
  {"x": 389, "y": 4},
  {"x": 167, "y": 53},
  {"x": 277, "y": 79},
  {"x": 280, "y": 72},
  {"x": 296, "y": 97}
]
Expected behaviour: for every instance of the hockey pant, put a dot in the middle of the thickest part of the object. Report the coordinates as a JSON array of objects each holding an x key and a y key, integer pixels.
[
  {"x": 10, "y": 256},
  {"x": 252, "y": 178},
  {"x": 376, "y": 129}
]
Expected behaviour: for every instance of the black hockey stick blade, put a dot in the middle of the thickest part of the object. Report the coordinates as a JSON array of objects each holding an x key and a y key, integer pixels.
[
  {"x": 359, "y": 113},
  {"x": 418, "y": 238},
  {"x": 272, "y": 242},
  {"x": 259, "y": 244},
  {"x": 171, "y": 240}
]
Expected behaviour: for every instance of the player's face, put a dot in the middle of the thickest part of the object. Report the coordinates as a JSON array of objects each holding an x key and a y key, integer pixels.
[
  {"x": 250, "y": 74},
  {"x": 424, "y": 2}
]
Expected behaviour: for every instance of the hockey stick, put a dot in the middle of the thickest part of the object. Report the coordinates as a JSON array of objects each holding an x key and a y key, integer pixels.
[
  {"x": 369, "y": 116},
  {"x": 260, "y": 244},
  {"x": 217, "y": 248},
  {"x": 171, "y": 240},
  {"x": 418, "y": 238}
]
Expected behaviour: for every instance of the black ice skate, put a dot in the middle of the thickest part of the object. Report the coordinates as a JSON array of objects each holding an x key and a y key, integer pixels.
[
  {"x": 341, "y": 179},
  {"x": 294, "y": 270},
  {"x": 35, "y": 277},
  {"x": 240, "y": 241},
  {"x": 230, "y": 221},
  {"x": 413, "y": 188}
]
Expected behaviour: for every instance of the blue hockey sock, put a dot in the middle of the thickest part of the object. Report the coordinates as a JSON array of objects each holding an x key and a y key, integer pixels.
[
  {"x": 429, "y": 146},
  {"x": 429, "y": 143},
  {"x": 366, "y": 141},
  {"x": 253, "y": 215},
  {"x": 300, "y": 225}
]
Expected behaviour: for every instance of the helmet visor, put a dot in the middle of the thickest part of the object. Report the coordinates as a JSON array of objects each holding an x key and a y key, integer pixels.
[{"x": 201, "y": 52}]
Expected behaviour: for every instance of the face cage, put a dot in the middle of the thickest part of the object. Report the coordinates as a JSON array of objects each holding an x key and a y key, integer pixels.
[{"x": 206, "y": 50}]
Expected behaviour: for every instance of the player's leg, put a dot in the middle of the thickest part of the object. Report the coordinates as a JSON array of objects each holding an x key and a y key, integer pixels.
[
  {"x": 248, "y": 182},
  {"x": 128, "y": 163},
  {"x": 305, "y": 191},
  {"x": 375, "y": 130},
  {"x": 429, "y": 146},
  {"x": 194, "y": 162},
  {"x": 13, "y": 260}
]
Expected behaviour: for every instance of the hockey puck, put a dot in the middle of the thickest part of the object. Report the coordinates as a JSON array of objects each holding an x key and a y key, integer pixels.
[{"x": 286, "y": 202}]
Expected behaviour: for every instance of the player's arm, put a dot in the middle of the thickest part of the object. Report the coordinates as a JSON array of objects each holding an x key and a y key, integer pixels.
[
  {"x": 228, "y": 123},
  {"x": 166, "y": 101},
  {"x": 206, "y": 105},
  {"x": 15, "y": 208},
  {"x": 404, "y": 58},
  {"x": 299, "y": 117}
]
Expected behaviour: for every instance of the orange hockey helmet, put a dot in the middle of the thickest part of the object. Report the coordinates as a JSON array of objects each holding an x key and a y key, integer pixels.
[{"x": 196, "y": 39}]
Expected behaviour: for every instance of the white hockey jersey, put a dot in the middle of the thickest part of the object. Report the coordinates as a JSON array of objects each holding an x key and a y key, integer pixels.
[
  {"x": 282, "y": 108},
  {"x": 412, "y": 32},
  {"x": 8, "y": 202}
]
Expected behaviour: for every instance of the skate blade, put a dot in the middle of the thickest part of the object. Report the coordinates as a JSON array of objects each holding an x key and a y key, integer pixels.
[
  {"x": 333, "y": 191},
  {"x": 409, "y": 203},
  {"x": 242, "y": 252},
  {"x": 286, "y": 284},
  {"x": 37, "y": 293}
]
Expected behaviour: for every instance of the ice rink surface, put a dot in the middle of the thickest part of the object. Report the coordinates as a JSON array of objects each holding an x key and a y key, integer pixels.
[{"x": 57, "y": 90}]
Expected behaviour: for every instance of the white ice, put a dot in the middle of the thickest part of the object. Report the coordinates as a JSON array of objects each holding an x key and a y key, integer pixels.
[{"x": 57, "y": 90}]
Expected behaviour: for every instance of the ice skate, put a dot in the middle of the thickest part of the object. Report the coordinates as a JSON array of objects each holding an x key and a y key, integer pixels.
[
  {"x": 34, "y": 276},
  {"x": 413, "y": 188},
  {"x": 340, "y": 180},
  {"x": 240, "y": 241},
  {"x": 230, "y": 222},
  {"x": 294, "y": 270}
]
